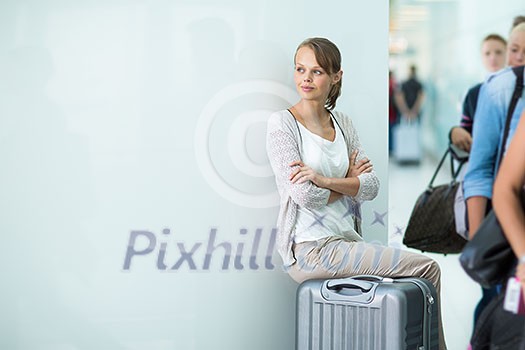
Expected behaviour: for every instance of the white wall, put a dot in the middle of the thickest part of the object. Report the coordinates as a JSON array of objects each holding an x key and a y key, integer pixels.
[{"x": 125, "y": 116}]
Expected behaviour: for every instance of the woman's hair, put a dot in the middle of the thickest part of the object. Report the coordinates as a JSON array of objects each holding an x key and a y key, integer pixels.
[
  {"x": 517, "y": 20},
  {"x": 496, "y": 37},
  {"x": 329, "y": 58},
  {"x": 519, "y": 28}
]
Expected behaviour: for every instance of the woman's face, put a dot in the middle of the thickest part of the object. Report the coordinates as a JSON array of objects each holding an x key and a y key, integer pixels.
[
  {"x": 516, "y": 49},
  {"x": 493, "y": 55},
  {"x": 311, "y": 80}
]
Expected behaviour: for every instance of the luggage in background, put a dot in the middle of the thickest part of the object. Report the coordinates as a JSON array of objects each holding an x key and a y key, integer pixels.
[
  {"x": 367, "y": 313},
  {"x": 407, "y": 145}
]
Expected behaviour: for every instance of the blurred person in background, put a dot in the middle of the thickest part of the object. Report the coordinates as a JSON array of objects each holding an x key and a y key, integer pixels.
[
  {"x": 493, "y": 57},
  {"x": 407, "y": 134},
  {"x": 517, "y": 20},
  {"x": 493, "y": 101},
  {"x": 411, "y": 96},
  {"x": 491, "y": 112}
]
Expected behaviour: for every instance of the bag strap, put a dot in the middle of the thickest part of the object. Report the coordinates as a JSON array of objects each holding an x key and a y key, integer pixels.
[
  {"x": 297, "y": 125},
  {"x": 518, "y": 89},
  {"x": 453, "y": 173},
  {"x": 339, "y": 125},
  {"x": 438, "y": 167}
]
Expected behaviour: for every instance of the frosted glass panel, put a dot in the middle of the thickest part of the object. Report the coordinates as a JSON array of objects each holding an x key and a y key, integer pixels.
[{"x": 138, "y": 206}]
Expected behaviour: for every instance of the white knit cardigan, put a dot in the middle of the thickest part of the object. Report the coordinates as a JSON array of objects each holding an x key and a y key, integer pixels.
[{"x": 283, "y": 144}]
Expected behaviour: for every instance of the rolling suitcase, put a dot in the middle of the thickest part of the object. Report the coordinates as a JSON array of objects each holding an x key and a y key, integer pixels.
[
  {"x": 367, "y": 313},
  {"x": 407, "y": 146}
]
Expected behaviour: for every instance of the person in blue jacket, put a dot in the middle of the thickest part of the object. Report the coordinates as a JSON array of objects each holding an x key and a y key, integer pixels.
[{"x": 493, "y": 102}]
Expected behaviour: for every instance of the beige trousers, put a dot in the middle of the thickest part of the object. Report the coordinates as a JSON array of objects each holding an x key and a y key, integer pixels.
[{"x": 336, "y": 257}]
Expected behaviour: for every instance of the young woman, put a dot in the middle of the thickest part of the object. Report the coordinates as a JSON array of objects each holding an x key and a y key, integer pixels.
[{"x": 322, "y": 174}]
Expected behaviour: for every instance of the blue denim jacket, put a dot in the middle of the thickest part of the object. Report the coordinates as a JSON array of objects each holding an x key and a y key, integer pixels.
[{"x": 489, "y": 122}]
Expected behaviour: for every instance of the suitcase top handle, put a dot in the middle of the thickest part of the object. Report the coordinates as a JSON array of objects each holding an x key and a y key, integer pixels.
[
  {"x": 348, "y": 283},
  {"x": 349, "y": 289}
]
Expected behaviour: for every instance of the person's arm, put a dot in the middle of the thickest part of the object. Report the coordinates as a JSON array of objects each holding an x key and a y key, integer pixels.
[
  {"x": 461, "y": 138},
  {"x": 361, "y": 181},
  {"x": 416, "y": 108},
  {"x": 476, "y": 209},
  {"x": 507, "y": 191},
  {"x": 399, "y": 99},
  {"x": 283, "y": 150},
  {"x": 480, "y": 175},
  {"x": 334, "y": 196},
  {"x": 469, "y": 108},
  {"x": 368, "y": 180},
  {"x": 348, "y": 185}
]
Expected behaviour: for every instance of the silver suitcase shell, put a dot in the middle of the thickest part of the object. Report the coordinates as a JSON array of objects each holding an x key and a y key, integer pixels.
[{"x": 367, "y": 313}]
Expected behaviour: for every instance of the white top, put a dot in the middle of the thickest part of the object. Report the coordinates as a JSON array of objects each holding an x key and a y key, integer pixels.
[
  {"x": 283, "y": 144},
  {"x": 330, "y": 159}
]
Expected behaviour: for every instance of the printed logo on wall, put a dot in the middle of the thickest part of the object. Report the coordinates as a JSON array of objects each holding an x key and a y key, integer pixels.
[{"x": 237, "y": 137}]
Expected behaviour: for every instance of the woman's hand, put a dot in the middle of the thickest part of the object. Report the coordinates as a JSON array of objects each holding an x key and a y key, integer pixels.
[
  {"x": 520, "y": 273},
  {"x": 305, "y": 173},
  {"x": 461, "y": 138},
  {"x": 361, "y": 167}
]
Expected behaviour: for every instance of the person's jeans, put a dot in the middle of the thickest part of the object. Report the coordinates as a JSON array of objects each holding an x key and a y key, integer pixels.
[{"x": 487, "y": 295}]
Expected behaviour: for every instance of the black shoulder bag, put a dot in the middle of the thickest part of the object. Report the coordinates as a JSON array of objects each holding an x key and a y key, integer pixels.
[{"x": 431, "y": 227}]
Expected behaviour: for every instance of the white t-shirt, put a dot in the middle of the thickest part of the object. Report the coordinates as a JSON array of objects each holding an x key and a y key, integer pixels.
[{"x": 329, "y": 159}]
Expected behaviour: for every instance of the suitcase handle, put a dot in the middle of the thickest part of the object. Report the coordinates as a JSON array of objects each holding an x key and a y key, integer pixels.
[
  {"x": 372, "y": 278},
  {"x": 349, "y": 290},
  {"x": 349, "y": 283}
]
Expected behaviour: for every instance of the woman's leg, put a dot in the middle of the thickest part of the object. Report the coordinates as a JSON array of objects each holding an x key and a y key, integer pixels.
[
  {"x": 487, "y": 294},
  {"x": 335, "y": 257}
]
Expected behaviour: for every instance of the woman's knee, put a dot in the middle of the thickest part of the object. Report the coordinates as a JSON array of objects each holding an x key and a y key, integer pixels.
[
  {"x": 433, "y": 273},
  {"x": 296, "y": 274},
  {"x": 301, "y": 273}
]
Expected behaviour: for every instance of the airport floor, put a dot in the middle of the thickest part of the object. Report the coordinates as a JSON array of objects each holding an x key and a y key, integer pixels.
[{"x": 459, "y": 293}]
